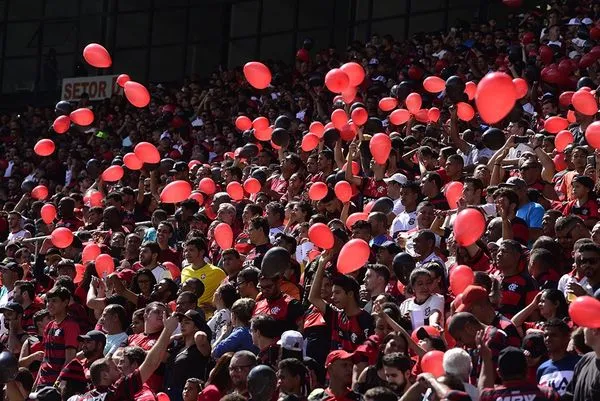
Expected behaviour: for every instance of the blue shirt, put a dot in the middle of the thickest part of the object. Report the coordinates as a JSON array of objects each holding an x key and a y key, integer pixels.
[
  {"x": 532, "y": 213},
  {"x": 380, "y": 239},
  {"x": 240, "y": 339},
  {"x": 557, "y": 374}
]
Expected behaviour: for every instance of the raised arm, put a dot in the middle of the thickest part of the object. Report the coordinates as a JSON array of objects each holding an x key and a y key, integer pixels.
[
  {"x": 315, "y": 290},
  {"x": 155, "y": 355}
]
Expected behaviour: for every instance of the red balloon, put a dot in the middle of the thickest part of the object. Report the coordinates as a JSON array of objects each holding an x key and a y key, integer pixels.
[
  {"x": 339, "y": 118},
  {"x": 551, "y": 75},
  {"x": 565, "y": 67},
  {"x": 82, "y": 116},
  {"x": 90, "y": 252},
  {"x": 207, "y": 186},
  {"x": 162, "y": 397},
  {"x": 355, "y": 168},
  {"x": 399, "y": 116},
  {"x": 176, "y": 191},
  {"x": 464, "y": 111},
  {"x": 415, "y": 73},
  {"x": 252, "y": 185},
  {"x": 453, "y": 193},
  {"x": 355, "y": 72},
  {"x": 260, "y": 123},
  {"x": 431, "y": 362},
  {"x": 147, "y": 152},
  {"x": 584, "y": 312},
  {"x": 555, "y": 124},
  {"x": 48, "y": 213},
  {"x": 565, "y": 98},
  {"x": 563, "y": 139},
  {"x": 264, "y": 134},
  {"x": 422, "y": 116},
  {"x": 434, "y": 84},
  {"x": 595, "y": 33},
  {"x": 369, "y": 206},
  {"x": 93, "y": 198},
  {"x": 243, "y": 123},
  {"x": 198, "y": 197},
  {"x": 173, "y": 269},
  {"x": 337, "y": 80},
  {"x": 317, "y": 128},
  {"x": 470, "y": 90},
  {"x": 257, "y": 74},
  {"x": 584, "y": 102},
  {"x": 433, "y": 114},
  {"x": 309, "y": 142},
  {"x": 560, "y": 163},
  {"x": 460, "y": 278},
  {"x": 321, "y": 235},
  {"x": 136, "y": 94},
  {"x": 388, "y": 103},
  {"x": 343, "y": 191},
  {"x": 413, "y": 102},
  {"x": 587, "y": 60},
  {"x": 521, "y": 87},
  {"x": 317, "y": 191},
  {"x": 592, "y": 134},
  {"x": 495, "y": 97},
  {"x": 61, "y": 124},
  {"x": 44, "y": 147},
  {"x": 359, "y": 116},
  {"x": 546, "y": 54},
  {"x": 353, "y": 255},
  {"x": 223, "y": 235},
  {"x": 40, "y": 192},
  {"x": 235, "y": 190},
  {"x": 97, "y": 56},
  {"x": 132, "y": 162},
  {"x": 105, "y": 265},
  {"x": 79, "y": 272},
  {"x": 469, "y": 226},
  {"x": 354, "y": 217},
  {"x": 380, "y": 147},
  {"x": 113, "y": 173},
  {"x": 61, "y": 237},
  {"x": 349, "y": 94},
  {"x": 123, "y": 79},
  {"x": 571, "y": 116}
]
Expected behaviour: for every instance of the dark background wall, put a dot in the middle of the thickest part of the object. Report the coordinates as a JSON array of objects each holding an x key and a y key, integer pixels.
[{"x": 164, "y": 40}]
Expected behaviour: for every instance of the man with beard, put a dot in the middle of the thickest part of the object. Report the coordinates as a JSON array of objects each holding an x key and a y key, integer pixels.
[
  {"x": 92, "y": 347},
  {"x": 16, "y": 336},
  {"x": 240, "y": 365},
  {"x": 339, "y": 370},
  {"x": 587, "y": 258},
  {"x": 149, "y": 254},
  {"x": 128, "y": 359},
  {"x": 396, "y": 367}
]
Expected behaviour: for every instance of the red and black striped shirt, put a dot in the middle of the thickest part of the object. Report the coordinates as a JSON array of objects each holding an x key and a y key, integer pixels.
[
  {"x": 348, "y": 332},
  {"x": 518, "y": 291},
  {"x": 58, "y": 337},
  {"x": 503, "y": 323}
]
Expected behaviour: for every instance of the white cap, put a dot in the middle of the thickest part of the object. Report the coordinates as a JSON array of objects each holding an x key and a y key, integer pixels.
[
  {"x": 574, "y": 21},
  {"x": 397, "y": 178},
  {"x": 291, "y": 340},
  {"x": 587, "y": 21},
  {"x": 574, "y": 53},
  {"x": 165, "y": 135}
]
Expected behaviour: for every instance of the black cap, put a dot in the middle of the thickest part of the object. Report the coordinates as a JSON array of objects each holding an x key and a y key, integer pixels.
[
  {"x": 195, "y": 317},
  {"x": 12, "y": 306},
  {"x": 13, "y": 267},
  {"x": 533, "y": 344},
  {"x": 340, "y": 234},
  {"x": 391, "y": 246},
  {"x": 46, "y": 394},
  {"x": 512, "y": 362},
  {"x": 585, "y": 181},
  {"x": 93, "y": 335}
]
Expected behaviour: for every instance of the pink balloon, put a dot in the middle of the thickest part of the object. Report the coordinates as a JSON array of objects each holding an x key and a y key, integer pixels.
[
  {"x": 61, "y": 237},
  {"x": 48, "y": 213},
  {"x": 104, "y": 265},
  {"x": 40, "y": 192},
  {"x": 353, "y": 255},
  {"x": 469, "y": 226},
  {"x": 495, "y": 97},
  {"x": 399, "y": 116},
  {"x": 123, "y": 79},
  {"x": 113, "y": 173},
  {"x": 354, "y": 217},
  {"x": 61, "y": 124},
  {"x": 320, "y": 235},
  {"x": 453, "y": 193},
  {"x": 223, "y": 235},
  {"x": 207, "y": 185},
  {"x": 235, "y": 190},
  {"x": 584, "y": 312},
  {"x": 176, "y": 191},
  {"x": 147, "y": 152},
  {"x": 563, "y": 139},
  {"x": 82, "y": 116},
  {"x": 162, "y": 397},
  {"x": 97, "y": 56},
  {"x": 359, "y": 116},
  {"x": 132, "y": 162},
  {"x": 90, "y": 252},
  {"x": 337, "y": 80},
  {"x": 413, "y": 102},
  {"x": 343, "y": 191},
  {"x": 309, "y": 142},
  {"x": 380, "y": 147},
  {"x": 257, "y": 74},
  {"x": 355, "y": 72},
  {"x": 460, "y": 278},
  {"x": 388, "y": 103},
  {"x": 317, "y": 191},
  {"x": 44, "y": 147},
  {"x": 252, "y": 185},
  {"x": 137, "y": 94}
]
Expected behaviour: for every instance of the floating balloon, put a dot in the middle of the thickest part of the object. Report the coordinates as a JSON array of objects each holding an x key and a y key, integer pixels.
[
  {"x": 592, "y": 135},
  {"x": 560, "y": 163},
  {"x": 469, "y": 226},
  {"x": 471, "y": 90},
  {"x": 48, "y": 213},
  {"x": 309, "y": 142},
  {"x": 349, "y": 94},
  {"x": 354, "y": 167},
  {"x": 132, "y": 162},
  {"x": 343, "y": 191},
  {"x": 162, "y": 397},
  {"x": 264, "y": 134},
  {"x": 434, "y": 84},
  {"x": 176, "y": 191},
  {"x": 355, "y": 72},
  {"x": 9, "y": 367},
  {"x": 399, "y": 116},
  {"x": 521, "y": 87},
  {"x": 495, "y": 97},
  {"x": 223, "y": 235},
  {"x": 105, "y": 265},
  {"x": 44, "y": 147},
  {"x": 207, "y": 185},
  {"x": 431, "y": 362},
  {"x": 252, "y": 185},
  {"x": 113, "y": 173},
  {"x": 280, "y": 137},
  {"x": 40, "y": 192},
  {"x": 354, "y": 217},
  {"x": 198, "y": 197},
  {"x": 82, "y": 116},
  {"x": 317, "y": 128},
  {"x": 243, "y": 123},
  {"x": 584, "y": 102},
  {"x": 63, "y": 108},
  {"x": 257, "y": 74},
  {"x": 93, "y": 198},
  {"x": 460, "y": 278},
  {"x": 453, "y": 192},
  {"x": 464, "y": 111},
  {"x": 353, "y": 255},
  {"x": 136, "y": 94},
  {"x": 388, "y": 103},
  {"x": 380, "y": 147},
  {"x": 122, "y": 80},
  {"x": 546, "y": 54},
  {"x": 147, "y": 152},
  {"x": 235, "y": 190},
  {"x": 61, "y": 124},
  {"x": 359, "y": 116},
  {"x": 97, "y": 56},
  {"x": 320, "y": 235},
  {"x": 61, "y": 237},
  {"x": 563, "y": 139},
  {"x": 260, "y": 123},
  {"x": 90, "y": 252},
  {"x": 565, "y": 98},
  {"x": 413, "y": 102},
  {"x": 339, "y": 118},
  {"x": 433, "y": 114},
  {"x": 555, "y": 124},
  {"x": 337, "y": 80},
  {"x": 584, "y": 312},
  {"x": 317, "y": 191}
]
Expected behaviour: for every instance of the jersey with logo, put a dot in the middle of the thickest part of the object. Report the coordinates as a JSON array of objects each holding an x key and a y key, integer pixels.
[
  {"x": 519, "y": 391},
  {"x": 348, "y": 332},
  {"x": 285, "y": 309},
  {"x": 518, "y": 291},
  {"x": 557, "y": 374}
]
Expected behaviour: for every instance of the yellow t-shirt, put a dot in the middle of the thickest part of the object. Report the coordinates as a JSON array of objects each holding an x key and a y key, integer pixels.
[{"x": 211, "y": 276}]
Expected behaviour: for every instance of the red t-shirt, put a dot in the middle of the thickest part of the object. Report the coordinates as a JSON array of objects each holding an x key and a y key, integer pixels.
[{"x": 58, "y": 337}]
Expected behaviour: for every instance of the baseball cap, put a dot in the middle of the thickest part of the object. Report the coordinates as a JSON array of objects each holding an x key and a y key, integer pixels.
[
  {"x": 512, "y": 362},
  {"x": 194, "y": 316},
  {"x": 291, "y": 340},
  {"x": 397, "y": 178},
  {"x": 93, "y": 335},
  {"x": 391, "y": 246},
  {"x": 46, "y": 394},
  {"x": 574, "y": 21},
  {"x": 533, "y": 344},
  {"x": 418, "y": 128},
  {"x": 13, "y": 267},
  {"x": 12, "y": 306},
  {"x": 585, "y": 181},
  {"x": 126, "y": 274},
  {"x": 470, "y": 296},
  {"x": 587, "y": 21},
  {"x": 514, "y": 182},
  {"x": 336, "y": 355},
  {"x": 436, "y": 341}
]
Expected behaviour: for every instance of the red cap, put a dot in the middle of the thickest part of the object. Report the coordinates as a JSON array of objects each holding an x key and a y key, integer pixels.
[
  {"x": 470, "y": 296},
  {"x": 126, "y": 274},
  {"x": 335, "y": 355}
]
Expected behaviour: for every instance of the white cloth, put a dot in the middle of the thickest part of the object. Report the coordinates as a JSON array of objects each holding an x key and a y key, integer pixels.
[
  {"x": 221, "y": 318},
  {"x": 432, "y": 257},
  {"x": 403, "y": 222},
  {"x": 517, "y": 151},
  {"x": 114, "y": 341},
  {"x": 419, "y": 314},
  {"x": 274, "y": 231},
  {"x": 398, "y": 207},
  {"x": 564, "y": 281},
  {"x": 161, "y": 272},
  {"x": 18, "y": 235}
]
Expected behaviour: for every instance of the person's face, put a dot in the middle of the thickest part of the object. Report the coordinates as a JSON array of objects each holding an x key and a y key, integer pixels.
[
  {"x": 89, "y": 348},
  {"x": 14, "y": 221},
  {"x": 506, "y": 257},
  {"x": 286, "y": 382},
  {"x": 579, "y": 190},
  {"x": 384, "y": 257},
  {"x": 163, "y": 234},
  {"x": 191, "y": 253},
  {"x": 548, "y": 222},
  {"x": 190, "y": 391},
  {"x": 588, "y": 263},
  {"x": 554, "y": 340},
  {"x": 144, "y": 283},
  {"x": 323, "y": 162},
  {"x": 125, "y": 366},
  {"x": 231, "y": 263},
  {"x": 247, "y": 215},
  {"x": 579, "y": 159},
  {"x": 393, "y": 190},
  {"x": 408, "y": 197},
  {"x": 255, "y": 234},
  {"x": 269, "y": 287},
  {"x": 422, "y": 286},
  {"x": 188, "y": 328},
  {"x": 153, "y": 321},
  {"x": 471, "y": 195},
  {"x": 381, "y": 328},
  {"x": 226, "y": 215},
  {"x": 272, "y": 218},
  {"x": 239, "y": 368},
  {"x": 146, "y": 256},
  {"x": 56, "y": 306},
  {"x": 361, "y": 233},
  {"x": 596, "y": 234},
  {"x": 18, "y": 295},
  {"x": 453, "y": 167},
  {"x": 137, "y": 325},
  {"x": 372, "y": 280},
  {"x": 132, "y": 243},
  {"x": 425, "y": 217},
  {"x": 311, "y": 165},
  {"x": 395, "y": 378},
  {"x": 422, "y": 246},
  {"x": 339, "y": 297},
  {"x": 428, "y": 188},
  {"x": 566, "y": 237},
  {"x": 341, "y": 370}
]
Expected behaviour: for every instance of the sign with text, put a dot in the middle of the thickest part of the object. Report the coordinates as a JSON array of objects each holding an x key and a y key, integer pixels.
[{"x": 100, "y": 87}]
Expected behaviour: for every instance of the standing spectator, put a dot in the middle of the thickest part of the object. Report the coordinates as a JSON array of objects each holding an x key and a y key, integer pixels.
[
  {"x": 557, "y": 371},
  {"x": 114, "y": 322},
  {"x": 240, "y": 337}
]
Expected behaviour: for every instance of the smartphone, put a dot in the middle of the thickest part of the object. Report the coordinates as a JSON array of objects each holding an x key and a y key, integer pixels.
[{"x": 591, "y": 161}]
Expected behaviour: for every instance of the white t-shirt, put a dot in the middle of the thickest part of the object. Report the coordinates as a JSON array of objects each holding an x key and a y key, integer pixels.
[
  {"x": 161, "y": 272},
  {"x": 398, "y": 207},
  {"x": 19, "y": 235},
  {"x": 517, "y": 151},
  {"x": 419, "y": 314},
  {"x": 403, "y": 222},
  {"x": 114, "y": 341},
  {"x": 221, "y": 318},
  {"x": 274, "y": 231},
  {"x": 564, "y": 281}
]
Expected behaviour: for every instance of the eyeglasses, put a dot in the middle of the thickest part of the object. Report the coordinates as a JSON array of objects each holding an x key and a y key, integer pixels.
[{"x": 239, "y": 368}]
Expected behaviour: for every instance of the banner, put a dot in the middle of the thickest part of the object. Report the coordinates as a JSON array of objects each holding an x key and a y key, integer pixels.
[{"x": 100, "y": 87}]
